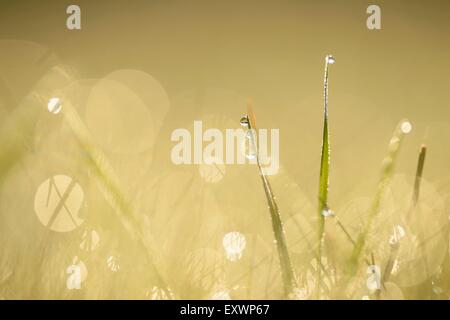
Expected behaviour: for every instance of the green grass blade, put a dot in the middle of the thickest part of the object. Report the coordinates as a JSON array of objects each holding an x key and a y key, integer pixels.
[
  {"x": 287, "y": 271},
  {"x": 324, "y": 173},
  {"x": 386, "y": 172}
]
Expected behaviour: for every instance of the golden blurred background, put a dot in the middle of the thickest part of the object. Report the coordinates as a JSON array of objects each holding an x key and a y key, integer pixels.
[{"x": 145, "y": 228}]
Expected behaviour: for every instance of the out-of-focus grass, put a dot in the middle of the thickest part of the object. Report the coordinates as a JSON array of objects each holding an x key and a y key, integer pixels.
[
  {"x": 386, "y": 173},
  {"x": 415, "y": 198},
  {"x": 110, "y": 186},
  {"x": 174, "y": 239}
]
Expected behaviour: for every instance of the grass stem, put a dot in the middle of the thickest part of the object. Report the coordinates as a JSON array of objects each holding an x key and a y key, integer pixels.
[
  {"x": 287, "y": 271},
  {"x": 324, "y": 173}
]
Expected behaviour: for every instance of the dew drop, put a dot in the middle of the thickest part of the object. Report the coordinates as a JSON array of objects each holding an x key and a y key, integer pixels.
[
  {"x": 244, "y": 121},
  {"x": 251, "y": 156},
  {"x": 330, "y": 59},
  {"x": 327, "y": 212},
  {"x": 373, "y": 278},
  {"x": 397, "y": 235},
  {"x": 113, "y": 263},
  {"x": 234, "y": 244},
  {"x": 406, "y": 127},
  {"x": 54, "y": 105}
]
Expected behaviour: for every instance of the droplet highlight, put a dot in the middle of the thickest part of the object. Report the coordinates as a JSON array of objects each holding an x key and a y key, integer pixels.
[
  {"x": 54, "y": 105},
  {"x": 234, "y": 244}
]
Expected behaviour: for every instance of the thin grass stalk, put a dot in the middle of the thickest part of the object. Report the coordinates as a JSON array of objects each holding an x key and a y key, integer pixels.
[
  {"x": 347, "y": 234},
  {"x": 386, "y": 174},
  {"x": 287, "y": 272},
  {"x": 414, "y": 201},
  {"x": 110, "y": 187},
  {"x": 324, "y": 174},
  {"x": 390, "y": 263},
  {"x": 419, "y": 172}
]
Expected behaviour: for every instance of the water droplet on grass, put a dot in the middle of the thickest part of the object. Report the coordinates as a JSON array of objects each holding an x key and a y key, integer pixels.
[
  {"x": 244, "y": 121},
  {"x": 54, "y": 105},
  {"x": 113, "y": 263},
  {"x": 234, "y": 244},
  {"x": 397, "y": 235},
  {"x": 330, "y": 59},
  {"x": 327, "y": 212},
  {"x": 373, "y": 278},
  {"x": 406, "y": 127}
]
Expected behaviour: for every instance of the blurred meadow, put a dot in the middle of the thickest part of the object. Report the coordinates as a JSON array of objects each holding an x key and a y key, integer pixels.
[{"x": 87, "y": 181}]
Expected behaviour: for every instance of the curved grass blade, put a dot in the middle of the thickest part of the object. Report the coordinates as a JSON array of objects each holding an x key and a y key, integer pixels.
[
  {"x": 415, "y": 199},
  {"x": 110, "y": 186},
  {"x": 287, "y": 271},
  {"x": 386, "y": 172}
]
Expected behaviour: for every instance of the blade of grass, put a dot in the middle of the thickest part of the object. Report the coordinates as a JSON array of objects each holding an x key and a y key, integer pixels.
[
  {"x": 419, "y": 172},
  {"x": 386, "y": 172},
  {"x": 287, "y": 271},
  {"x": 415, "y": 198},
  {"x": 110, "y": 186},
  {"x": 324, "y": 173}
]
